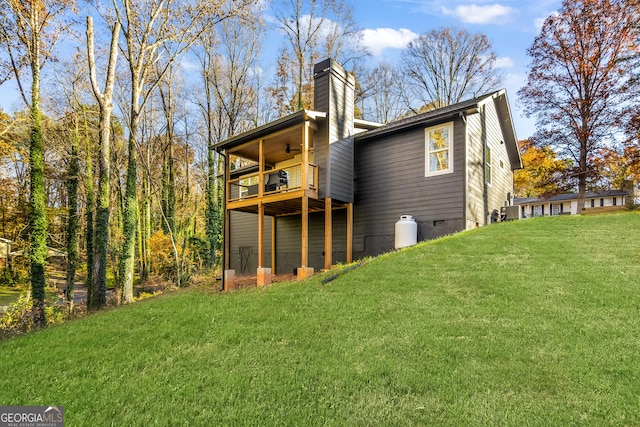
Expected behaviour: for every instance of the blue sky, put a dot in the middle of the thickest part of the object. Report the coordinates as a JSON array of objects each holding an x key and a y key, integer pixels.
[
  {"x": 510, "y": 25},
  {"x": 388, "y": 25}
]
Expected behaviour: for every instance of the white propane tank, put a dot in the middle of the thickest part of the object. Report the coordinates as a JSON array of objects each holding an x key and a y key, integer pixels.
[{"x": 406, "y": 232}]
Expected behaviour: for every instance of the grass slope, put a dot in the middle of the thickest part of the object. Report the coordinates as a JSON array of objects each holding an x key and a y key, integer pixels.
[{"x": 534, "y": 322}]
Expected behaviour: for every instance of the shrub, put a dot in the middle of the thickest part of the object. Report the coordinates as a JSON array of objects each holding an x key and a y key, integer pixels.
[
  {"x": 162, "y": 250},
  {"x": 12, "y": 277},
  {"x": 21, "y": 318}
]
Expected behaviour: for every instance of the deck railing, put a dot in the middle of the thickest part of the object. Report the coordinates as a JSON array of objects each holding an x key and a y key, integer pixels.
[{"x": 275, "y": 181}]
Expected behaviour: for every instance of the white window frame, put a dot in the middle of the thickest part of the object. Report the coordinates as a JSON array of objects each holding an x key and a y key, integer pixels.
[
  {"x": 488, "y": 166},
  {"x": 427, "y": 132}
]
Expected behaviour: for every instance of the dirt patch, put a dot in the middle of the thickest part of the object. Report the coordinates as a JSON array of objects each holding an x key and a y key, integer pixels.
[{"x": 252, "y": 281}]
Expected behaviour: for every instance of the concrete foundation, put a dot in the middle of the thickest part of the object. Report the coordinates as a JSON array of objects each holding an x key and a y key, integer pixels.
[
  {"x": 305, "y": 272},
  {"x": 263, "y": 276},
  {"x": 229, "y": 280}
]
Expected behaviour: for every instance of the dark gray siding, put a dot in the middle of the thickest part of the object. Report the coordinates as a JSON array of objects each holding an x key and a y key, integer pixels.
[
  {"x": 390, "y": 182},
  {"x": 341, "y": 167},
  {"x": 321, "y": 135},
  {"x": 289, "y": 241},
  {"x": 334, "y": 94},
  {"x": 321, "y": 157},
  {"x": 244, "y": 234},
  {"x": 321, "y": 90}
]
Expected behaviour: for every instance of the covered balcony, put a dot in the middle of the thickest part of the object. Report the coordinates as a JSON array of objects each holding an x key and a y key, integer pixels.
[{"x": 274, "y": 168}]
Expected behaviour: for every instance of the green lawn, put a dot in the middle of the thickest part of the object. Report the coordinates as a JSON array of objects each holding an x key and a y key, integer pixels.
[
  {"x": 534, "y": 322},
  {"x": 9, "y": 294}
]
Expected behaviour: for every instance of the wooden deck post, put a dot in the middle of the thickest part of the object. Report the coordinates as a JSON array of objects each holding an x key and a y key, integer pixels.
[
  {"x": 260, "y": 235},
  {"x": 349, "y": 233},
  {"x": 304, "y": 271},
  {"x": 305, "y": 231},
  {"x": 260, "y": 167},
  {"x": 226, "y": 214},
  {"x": 328, "y": 234},
  {"x": 304, "y": 173}
]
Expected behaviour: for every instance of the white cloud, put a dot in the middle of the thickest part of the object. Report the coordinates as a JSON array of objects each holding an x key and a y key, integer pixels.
[
  {"x": 474, "y": 14},
  {"x": 378, "y": 39},
  {"x": 539, "y": 22},
  {"x": 189, "y": 65},
  {"x": 504, "y": 62}
]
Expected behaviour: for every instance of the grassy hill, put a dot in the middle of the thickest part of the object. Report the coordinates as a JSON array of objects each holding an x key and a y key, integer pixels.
[{"x": 534, "y": 322}]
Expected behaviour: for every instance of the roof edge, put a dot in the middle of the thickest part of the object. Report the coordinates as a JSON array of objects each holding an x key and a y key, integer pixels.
[{"x": 271, "y": 127}]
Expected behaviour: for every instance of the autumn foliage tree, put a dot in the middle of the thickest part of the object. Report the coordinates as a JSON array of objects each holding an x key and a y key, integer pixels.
[
  {"x": 578, "y": 86},
  {"x": 543, "y": 172}
]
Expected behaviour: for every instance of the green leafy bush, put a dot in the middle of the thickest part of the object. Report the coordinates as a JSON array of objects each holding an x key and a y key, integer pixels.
[
  {"x": 21, "y": 317},
  {"x": 12, "y": 277}
]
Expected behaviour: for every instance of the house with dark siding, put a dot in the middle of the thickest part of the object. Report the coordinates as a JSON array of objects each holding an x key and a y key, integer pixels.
[{"x": 320, "y": 187}]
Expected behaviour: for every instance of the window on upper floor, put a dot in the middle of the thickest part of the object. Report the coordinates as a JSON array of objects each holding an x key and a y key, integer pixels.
[{"x": 439, "y": 149}]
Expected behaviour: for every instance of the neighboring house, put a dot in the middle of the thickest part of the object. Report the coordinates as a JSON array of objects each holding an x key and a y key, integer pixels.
[
  {"x": 323, "y": 187},
  {"x": 567, "y": 203}
]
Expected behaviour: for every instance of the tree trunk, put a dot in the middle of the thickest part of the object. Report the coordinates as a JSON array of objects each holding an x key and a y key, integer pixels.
[
  {"x": 72, "y": 220},
  {"x": 212, "y": 208},
  {"x": 99, "y": 285},
  {"x": 144, "y": 231},
  {"x": 130, "y": 219},
  {"x": 37, "y": 201},
  {"x": 98, "y": 291},
  {"x": 89, "y": 213},
  {"x": 582, "y": 177},
  {"x": 147, "y": 227},
  {"x": 164, "y": 203}
]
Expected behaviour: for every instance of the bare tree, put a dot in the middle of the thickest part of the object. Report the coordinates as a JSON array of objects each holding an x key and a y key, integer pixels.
[
  {"x": 578, "y": 86},
  {"x": 312, "y": 29},
  {"x": 152, "y": 28},
  {"x": 230, "y": 101},
  {"x": 382, "y": 93},
  {"x": 98, "y": 289},
  {"x": 446, "y": 65}
]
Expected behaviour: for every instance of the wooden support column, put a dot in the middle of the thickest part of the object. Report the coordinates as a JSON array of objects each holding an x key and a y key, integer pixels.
[
  {"x": 304, "y": 173},
  {"x": 305, "y": 271},
  {"x": 305, "y": 231},
  {"x": 227, "y": 233},
  {"x": 328, "y": 234},
  {"x": 349, "y": 233},
  {"x": 263, "y": 274},
  {"x": 260, "y": 167},
  {"x": 260, "y": 235},
  {"x": 226, "y": 214}
]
